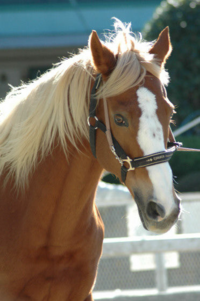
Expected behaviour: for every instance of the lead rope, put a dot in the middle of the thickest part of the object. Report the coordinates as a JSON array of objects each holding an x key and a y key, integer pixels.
[{"x": 172, "y": 140}]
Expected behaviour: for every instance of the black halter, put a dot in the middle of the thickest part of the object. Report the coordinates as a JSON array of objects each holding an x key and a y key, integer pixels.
[{"x": 126, "y": 162}]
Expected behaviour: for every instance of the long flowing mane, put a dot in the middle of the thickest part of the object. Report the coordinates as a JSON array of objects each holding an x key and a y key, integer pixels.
[{"x": 55, "y": 105}]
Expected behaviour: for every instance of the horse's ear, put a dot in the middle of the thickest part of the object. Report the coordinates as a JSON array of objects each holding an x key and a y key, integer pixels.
[
  {"x": 162, "y": 47},
  {"x": 103, "y": 59}
]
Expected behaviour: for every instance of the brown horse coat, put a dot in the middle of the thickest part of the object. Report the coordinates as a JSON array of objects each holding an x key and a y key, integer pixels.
[{"x": 51, "y": 232}]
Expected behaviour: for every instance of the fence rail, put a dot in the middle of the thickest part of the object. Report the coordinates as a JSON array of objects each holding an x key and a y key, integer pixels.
[
  {"x": 116, "y": 196},
  {"x": 187, "y": 127},
  {"x": 126, "y": 246},
  {"x": 119, "y": 247}
]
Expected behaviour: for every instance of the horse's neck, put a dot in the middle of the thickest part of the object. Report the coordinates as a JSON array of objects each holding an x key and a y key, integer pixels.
[{"x": 59, "y": 203}]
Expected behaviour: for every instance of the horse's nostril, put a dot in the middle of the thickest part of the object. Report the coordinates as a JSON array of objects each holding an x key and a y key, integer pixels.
[{"x": 155, "y": 210}]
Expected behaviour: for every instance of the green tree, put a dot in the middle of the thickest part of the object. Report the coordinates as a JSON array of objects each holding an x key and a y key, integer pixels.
[{"x": 183, "y": 19}]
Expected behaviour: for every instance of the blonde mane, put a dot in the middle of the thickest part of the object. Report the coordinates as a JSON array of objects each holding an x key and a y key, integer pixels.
[{"x": 56, "y": 104}]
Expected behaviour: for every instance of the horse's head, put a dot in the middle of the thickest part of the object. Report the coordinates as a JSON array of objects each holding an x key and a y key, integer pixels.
[{"x": 138, "y": 112}]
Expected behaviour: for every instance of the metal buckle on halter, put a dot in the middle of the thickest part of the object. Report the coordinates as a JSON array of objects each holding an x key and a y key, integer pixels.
[
  {"x": 88, "y": 121},
  {"x": 128, "y": 161},
  {"x": 122, "y": 161}
]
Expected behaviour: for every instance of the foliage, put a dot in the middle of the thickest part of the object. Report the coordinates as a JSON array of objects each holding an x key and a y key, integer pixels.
[
  {"x": 110, "y": 178},
  {"x": 182, "y": 17},
  {"x": 185, "y": 165},
  {"x": 188, "y": 183}
]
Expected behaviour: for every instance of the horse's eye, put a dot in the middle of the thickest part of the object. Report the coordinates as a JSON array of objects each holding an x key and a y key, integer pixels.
[{"x": 120, "y": 120}]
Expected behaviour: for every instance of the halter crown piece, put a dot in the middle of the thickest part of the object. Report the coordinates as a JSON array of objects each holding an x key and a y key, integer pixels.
[{"x": 126, "y": 162}]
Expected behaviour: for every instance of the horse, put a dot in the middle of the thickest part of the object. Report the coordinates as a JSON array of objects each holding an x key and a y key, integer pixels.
[{"x": 105, "y": 108}]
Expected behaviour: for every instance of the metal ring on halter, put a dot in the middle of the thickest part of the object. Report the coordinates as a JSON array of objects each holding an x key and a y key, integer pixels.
[
  {"x": 128, "y": 161},
  {"x": 92, "y": 126}
]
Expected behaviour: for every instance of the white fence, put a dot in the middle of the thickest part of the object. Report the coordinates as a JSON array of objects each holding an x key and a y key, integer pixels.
[
  {"x": 158, "y": 245},
  {"x": 111, "y": 195},
  {"x": 126, "y": 246}
]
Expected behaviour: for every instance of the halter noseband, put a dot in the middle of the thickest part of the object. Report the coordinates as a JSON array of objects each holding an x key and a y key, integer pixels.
[{"x": 126, "y": 162}]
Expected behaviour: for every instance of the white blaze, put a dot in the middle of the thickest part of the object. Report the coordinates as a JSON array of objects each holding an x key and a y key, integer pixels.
[{"x": 151, "y": 140}]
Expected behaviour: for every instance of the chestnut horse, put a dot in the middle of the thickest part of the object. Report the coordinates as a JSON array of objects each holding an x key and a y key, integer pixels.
[{"x": 51, "y": 232}]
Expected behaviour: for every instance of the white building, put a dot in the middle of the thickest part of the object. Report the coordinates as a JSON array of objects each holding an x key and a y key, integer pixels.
[{"x": 36, "y": 33}]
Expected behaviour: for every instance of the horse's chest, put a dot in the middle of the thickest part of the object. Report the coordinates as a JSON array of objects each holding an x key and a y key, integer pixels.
[
  {"x": 58, "y": 284},
  {"x": 54, "y": 273},
  {"x": 43, "y": 278}
]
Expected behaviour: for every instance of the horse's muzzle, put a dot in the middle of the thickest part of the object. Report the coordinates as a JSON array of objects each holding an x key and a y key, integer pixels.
[{"x": 156, "y": 218}]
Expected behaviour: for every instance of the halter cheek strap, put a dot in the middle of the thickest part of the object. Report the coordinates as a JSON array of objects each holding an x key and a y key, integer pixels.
[
  {"x": 92, "y": 119},
  {"x": 126, "y": 162}
]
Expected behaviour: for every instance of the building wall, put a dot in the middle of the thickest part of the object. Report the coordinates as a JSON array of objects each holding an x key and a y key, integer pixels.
[{"x": 36, "y": 33}]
